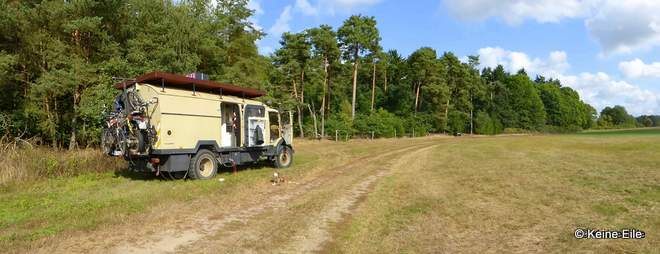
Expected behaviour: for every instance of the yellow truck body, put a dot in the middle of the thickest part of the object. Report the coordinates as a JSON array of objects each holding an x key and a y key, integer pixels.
[{"x": 186, "y": 119}]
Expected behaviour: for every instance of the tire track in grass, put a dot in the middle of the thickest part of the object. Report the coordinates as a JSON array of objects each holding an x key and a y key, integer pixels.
[
  {"x": 276, "y": 227},
  {"x": 318, "y": 233},
  {"x": 172, "y": 239}
]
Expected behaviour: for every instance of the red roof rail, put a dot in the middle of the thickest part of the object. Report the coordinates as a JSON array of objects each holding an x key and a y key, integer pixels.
[{"x": 183, "y": 82}]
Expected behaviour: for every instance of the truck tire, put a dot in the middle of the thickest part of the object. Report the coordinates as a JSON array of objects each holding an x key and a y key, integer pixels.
[
  {"x": 284, "y": 157},
  {"x": 140, "y": 145},
  {"x": 107, "y": 142},
  {"x": 203, "y": 165}
]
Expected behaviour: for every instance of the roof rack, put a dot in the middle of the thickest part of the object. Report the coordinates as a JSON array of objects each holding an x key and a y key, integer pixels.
[{"x": 173, "y": 80}]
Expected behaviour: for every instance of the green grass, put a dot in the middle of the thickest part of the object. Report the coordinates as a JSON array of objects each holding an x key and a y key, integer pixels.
[
  {"x": 623, "y": 132},
  {"x": 514, "y": 194},
  {"x": 83, "y": 202},
  {"x": 32, "y": 210},
  {"x": 492, "y": 194}
]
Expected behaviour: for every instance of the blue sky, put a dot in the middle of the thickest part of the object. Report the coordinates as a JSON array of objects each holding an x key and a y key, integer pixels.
[{"x": 607, "y": 50}]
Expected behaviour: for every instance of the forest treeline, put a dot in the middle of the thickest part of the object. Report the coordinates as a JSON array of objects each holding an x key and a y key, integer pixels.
[{"x": 57, "y": 60}]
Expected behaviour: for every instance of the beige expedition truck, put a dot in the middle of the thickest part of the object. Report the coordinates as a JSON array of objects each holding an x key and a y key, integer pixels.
[{"x": 180, "y": 126}]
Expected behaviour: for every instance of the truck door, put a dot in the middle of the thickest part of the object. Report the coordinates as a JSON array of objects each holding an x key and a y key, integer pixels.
[
  {"x": 287, "y": 127},
  {"x": 255, "y": 125}
]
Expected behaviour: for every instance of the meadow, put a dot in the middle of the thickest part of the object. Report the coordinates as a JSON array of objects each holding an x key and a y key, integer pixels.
[{"x": 420, "y": 195}]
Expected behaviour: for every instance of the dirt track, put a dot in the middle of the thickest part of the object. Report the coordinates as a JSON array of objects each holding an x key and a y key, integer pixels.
[{"x": 297, "y": 216}]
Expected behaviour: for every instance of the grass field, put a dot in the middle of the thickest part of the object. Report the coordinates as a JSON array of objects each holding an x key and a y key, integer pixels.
[
  {"x": 522, "y": 193},
  {"x": 625, "y": 132},
  {"x": 438, "y": 194}
]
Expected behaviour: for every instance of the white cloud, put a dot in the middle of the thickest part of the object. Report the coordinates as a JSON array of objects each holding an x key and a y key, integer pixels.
[
  {"x": 282, "y": 23},
  {"x": 266, "y": 50},
  {"x": 517, "y": 11},
  {"x": 313, "y": 8},
  {"x": 258, "y": 11},
  {"x": 626, "y": 26},
  {"x": 331, "y": 7},
  {"x": 255, "y": 6},
  {"x": 600, "y": 91},
  {"x": 618, "y": 26},
  {"x": 306, "y": 8},
  {"x": 554, "y": 65},
  {"x": 638, "y": 69},
  {"x": 347, "y": 5}
]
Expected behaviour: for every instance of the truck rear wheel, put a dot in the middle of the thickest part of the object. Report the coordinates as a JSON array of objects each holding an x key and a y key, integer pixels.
[
  {"x": 284, "y": 157},
  {"x": 107, "y": 142},
  {"x": 203, "y": 165}
]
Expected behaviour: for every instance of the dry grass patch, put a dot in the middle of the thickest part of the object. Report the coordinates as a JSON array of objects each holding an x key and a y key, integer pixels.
[
  {"x": 514, "y": 194},
  {"x": 24, "y": 164}
]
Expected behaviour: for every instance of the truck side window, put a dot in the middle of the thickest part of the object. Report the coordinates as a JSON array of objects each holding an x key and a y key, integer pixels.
[
  {"x": 255, "y": 112},
  {"x": 274, "y": 125}
]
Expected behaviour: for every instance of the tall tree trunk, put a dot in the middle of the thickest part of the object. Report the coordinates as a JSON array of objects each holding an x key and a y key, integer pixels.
[
  {"x": 302, "y": 86},
  {"x": 74, "y": 120},
  {"x": 325, "y": 85},
  {"x": 57, "y": 118},
  {"x": 311, "y": 112},
  {"x": 373, "y": 86},
  {"x": 295, "y": 94},
  {"x": 329, "y": 94},
  {"x": 471, "y": 114},
  {"x": 355, "y": 73},
  {"x": 447, "y": 112},
  {"x": 300, "y": 125},
  {"x": 471, "y": 122},
  {"x": 417, "y": 96},
  {"x": 295, "y": 89},
  {"x": 302, "y": 99},
  {"x": 50, "y": 117},
  {"x": 385, "y": 79}
]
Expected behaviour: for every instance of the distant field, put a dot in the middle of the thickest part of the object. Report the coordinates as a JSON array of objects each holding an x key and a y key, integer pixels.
[
  {"x": 421, "y": 195},
  {"x": 623, "y": 132}
]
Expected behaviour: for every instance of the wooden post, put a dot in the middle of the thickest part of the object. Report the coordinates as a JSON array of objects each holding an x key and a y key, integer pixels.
[{"x": 336, "y": 135}]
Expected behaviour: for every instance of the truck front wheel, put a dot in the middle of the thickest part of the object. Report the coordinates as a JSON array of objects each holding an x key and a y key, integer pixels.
[
  {"x": 203, "y": 165},
  {"x": 284, "y": 157}
]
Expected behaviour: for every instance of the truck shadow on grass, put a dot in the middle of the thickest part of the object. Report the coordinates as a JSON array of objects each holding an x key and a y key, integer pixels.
[{"x": 126, "y": 172}]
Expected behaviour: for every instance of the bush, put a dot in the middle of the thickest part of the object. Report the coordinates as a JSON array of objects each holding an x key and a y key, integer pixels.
[
  {"x": 381, "y": 122},
  {"x": 337, "y": 122},
  {"x": 457, "y": 121},
  {"x": 515, "y": 131},
  {"x": 484, "y": 124},
  {"x": 421, "y": 124}
]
